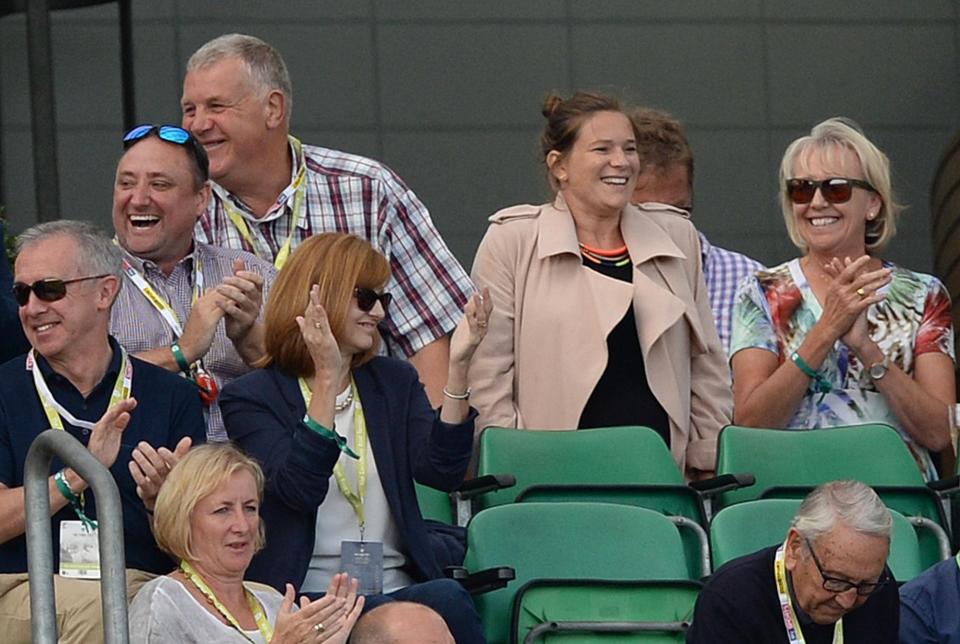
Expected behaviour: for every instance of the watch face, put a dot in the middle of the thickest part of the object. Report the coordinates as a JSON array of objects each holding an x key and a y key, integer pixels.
[{"x": 878, "y": 371}]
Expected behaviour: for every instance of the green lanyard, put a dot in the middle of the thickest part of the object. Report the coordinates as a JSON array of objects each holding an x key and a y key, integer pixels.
[
  {"x": 262, "y": 623},
  {"x": 355, "y": 499}
]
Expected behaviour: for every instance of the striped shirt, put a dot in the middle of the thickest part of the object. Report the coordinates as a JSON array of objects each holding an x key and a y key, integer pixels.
[
  {"x": 352, "y": 194},
  {"x": 723, "y": 270},
  {"x": 138, "y": 326}
]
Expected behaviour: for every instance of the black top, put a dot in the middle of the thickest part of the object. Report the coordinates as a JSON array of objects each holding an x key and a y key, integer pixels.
[
  {"x": 622, "y": 396},
  {"x": 739, "y": 605}
]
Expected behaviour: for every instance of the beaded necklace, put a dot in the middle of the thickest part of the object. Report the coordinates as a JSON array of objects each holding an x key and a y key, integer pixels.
[{"x": 612, "y": 257}]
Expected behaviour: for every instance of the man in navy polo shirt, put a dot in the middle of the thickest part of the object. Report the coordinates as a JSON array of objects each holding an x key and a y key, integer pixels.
[{"x": 77, "y": 378}]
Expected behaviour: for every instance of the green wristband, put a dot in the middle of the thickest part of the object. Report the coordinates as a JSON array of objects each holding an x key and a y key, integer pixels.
[
  {"x": 75, "y": 501},
  {"x": 820, "y": 384},
  {"x": 61, "y": 480},
  {"x": 330, "y": 435},
  {"x": 180, "y": 358}
]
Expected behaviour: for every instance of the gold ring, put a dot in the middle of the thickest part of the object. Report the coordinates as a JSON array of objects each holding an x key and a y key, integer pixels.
[
  {"x": 317, "y": 325},
  {"x": 319, "y": 627},
  {"x": 861, "y": 292}
]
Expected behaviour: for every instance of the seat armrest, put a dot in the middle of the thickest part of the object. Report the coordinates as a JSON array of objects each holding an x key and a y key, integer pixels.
[
  {"x": 946, "y": 487},
  {"x": 723, "y": 483},
  {"x": 483, "y": 484},
  {"x": 482, "y": 581}
]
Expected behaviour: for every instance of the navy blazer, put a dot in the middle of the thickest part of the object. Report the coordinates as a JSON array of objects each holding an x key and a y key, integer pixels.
[
  {"x": 12, "y": 340},
  {"x": 263, "y": 412}
]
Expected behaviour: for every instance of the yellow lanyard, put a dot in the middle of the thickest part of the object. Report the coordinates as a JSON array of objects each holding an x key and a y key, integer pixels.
[
  {"x": 297, "y": 213},
  {"x": 161, "y": 304},
  {"x": 794, "y": 634},
  {"x": 265, "y": 628},
  {"x": 355, "y": 499}
]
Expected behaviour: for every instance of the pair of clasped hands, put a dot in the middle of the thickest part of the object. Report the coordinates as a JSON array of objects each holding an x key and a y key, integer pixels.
[
  {"x": 853, "y": 290},
  {"x": 236, "y": 300}
]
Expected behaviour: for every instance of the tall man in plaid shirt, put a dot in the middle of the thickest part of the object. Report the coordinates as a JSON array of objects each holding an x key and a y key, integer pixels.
[
  {"x": 666, "y": 176},
  {"x": 271, "y": 192}
]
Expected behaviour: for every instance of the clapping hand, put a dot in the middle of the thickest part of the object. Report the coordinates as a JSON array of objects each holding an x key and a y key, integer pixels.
[
  {"x": 852, "y": 291},
  {"x": 328, "y": 619},
  {"x": 242, "y": 294},
  {"x": 150, "y": 467}
]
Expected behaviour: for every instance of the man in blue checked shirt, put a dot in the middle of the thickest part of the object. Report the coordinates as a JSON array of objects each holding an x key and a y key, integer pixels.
[
  {"x": 271, "y": 191},
  {"x": 666, "y": 176}
]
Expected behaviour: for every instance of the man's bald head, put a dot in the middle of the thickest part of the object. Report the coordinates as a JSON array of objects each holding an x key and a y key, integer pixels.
[{"x": 401, "y": 623}]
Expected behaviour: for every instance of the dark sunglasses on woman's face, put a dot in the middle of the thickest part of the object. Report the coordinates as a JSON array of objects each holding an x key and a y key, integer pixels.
[
  {"x": 834, "y": 189},
  {"x": 48, "y": 290},
  {"x": 367, "y": 298}
]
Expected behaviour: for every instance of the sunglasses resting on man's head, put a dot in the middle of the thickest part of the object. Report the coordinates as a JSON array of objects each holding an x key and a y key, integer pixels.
[
  {"x": 170, "y": 134},
  {"x": 48, "y": 290},
  {"x": 834, "y": 189}
]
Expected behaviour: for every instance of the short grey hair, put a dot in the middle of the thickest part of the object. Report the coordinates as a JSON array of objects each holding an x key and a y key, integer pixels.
[
  {"x": 852, "y": 503},
  {"x": 96, "y": 252},
  {"x": 828, "y": 138},
  {"x": 265, "y": 64}
]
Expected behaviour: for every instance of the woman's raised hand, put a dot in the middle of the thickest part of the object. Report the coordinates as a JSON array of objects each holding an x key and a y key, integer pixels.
[
  {"x": 315, "y": 329},
  {"x": 472, "y": 327}
]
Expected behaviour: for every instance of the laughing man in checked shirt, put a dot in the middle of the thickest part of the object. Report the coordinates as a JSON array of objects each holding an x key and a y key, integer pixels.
[
  {"x": 666, "y": 177},
  {"x": 186, "y": 306},
  {"x": 271, "y": 192}
]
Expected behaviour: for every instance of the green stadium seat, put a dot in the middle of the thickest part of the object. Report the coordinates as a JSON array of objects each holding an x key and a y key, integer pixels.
[
  {"x": 567, "y": 548},
  {"x": 626, "y": 465}
]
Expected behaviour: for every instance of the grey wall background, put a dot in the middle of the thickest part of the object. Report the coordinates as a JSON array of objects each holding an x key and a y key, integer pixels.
[{"x": 448, "y": 93}]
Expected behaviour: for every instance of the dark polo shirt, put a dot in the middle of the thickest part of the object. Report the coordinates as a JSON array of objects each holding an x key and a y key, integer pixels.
[{"x": 168, "y": 408}]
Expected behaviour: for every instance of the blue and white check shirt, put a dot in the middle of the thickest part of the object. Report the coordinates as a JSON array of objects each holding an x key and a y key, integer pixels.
[{"x": 723, "y": 270}]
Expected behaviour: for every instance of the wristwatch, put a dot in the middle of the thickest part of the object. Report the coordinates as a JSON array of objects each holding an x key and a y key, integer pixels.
[{"x": 879, "y": 369}]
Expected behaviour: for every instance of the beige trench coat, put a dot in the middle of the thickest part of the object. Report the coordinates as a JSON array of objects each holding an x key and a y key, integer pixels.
[{"x": 546, "y": 347}]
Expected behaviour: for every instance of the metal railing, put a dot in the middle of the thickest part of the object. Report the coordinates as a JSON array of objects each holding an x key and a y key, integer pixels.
[{"x": 113, "y": 587}]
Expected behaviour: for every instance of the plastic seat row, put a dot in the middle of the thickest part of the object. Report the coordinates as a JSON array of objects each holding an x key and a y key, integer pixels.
[
  {"x": 593, "y": 582},
  {"x": 632, "y": 465}
]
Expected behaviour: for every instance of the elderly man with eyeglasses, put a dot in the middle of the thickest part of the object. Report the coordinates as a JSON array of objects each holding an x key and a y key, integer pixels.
[
  {"x": 827, "y": 582},
  {"x": 186, "y": 306},
  {"x": 78, "y": 379}
]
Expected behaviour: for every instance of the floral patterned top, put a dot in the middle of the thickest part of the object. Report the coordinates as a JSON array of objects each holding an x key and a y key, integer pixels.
[{"x": 776, "y": 308}]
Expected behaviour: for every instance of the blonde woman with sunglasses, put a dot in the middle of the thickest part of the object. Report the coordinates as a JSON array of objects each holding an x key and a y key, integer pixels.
[
  {"x": 841, "y": 336},
  {"x": 342, "y": 433}
]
